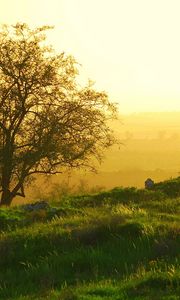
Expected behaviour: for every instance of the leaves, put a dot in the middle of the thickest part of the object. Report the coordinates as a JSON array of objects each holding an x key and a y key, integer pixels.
[{"x": 47, "y": 122}]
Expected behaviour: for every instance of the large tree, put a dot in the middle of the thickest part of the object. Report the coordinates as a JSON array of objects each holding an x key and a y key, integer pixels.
[{"x": 47, "y": 121}]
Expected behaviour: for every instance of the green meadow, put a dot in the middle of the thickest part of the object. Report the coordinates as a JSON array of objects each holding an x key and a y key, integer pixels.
[{"x": 121, "y": 244}]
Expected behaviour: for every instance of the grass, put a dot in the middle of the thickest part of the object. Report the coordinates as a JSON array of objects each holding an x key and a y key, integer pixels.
[{"x": 120, "y": 244}]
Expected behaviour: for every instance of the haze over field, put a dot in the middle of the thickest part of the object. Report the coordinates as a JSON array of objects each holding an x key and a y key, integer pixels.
[
  {"x": 150, "y": 147},
  {"x": 131, "y": 50}
]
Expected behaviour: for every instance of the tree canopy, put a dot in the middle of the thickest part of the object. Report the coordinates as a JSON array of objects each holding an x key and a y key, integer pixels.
[{"x": 48, "y": 122}]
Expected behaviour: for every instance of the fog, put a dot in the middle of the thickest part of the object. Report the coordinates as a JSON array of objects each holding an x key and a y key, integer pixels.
[{"x": 149, "y": 147}]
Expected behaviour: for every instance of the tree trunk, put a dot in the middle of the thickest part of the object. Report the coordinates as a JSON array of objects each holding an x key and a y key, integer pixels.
[{"x": 6, "y": 197}]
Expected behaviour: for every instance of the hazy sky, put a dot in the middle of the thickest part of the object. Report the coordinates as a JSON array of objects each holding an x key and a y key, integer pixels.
[{"x": 131, "y": 48}]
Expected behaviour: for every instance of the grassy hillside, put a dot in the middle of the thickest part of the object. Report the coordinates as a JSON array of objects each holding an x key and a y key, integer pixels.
[{"x": 121, "y": 244}]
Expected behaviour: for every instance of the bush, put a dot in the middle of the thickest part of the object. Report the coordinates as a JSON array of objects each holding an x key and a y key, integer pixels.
[
  {"x": 114, "y": 196},
  {"x": 98, "y": 230},
  {"x": 131, "y": 230},
  {"x": 10, "y": 217},
  {"x": 171, "y": 187}
]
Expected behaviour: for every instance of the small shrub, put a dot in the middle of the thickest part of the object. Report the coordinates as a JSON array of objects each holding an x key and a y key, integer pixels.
[
  {"x": 37, "y": 215},
  {"x": 98, "y": 230},
  {"x": 6, "y": 251},
  {"x": 110, "y": 221},
  {"x": 10, "y": 217},
  {"x": 68, "y": 294},
  {"x": 132, "y": 230},
  {"x": 173, "y": 232},
  {"x": 160, "y": 281},
  {"x": 170, "y": 188},
  {"x": 165, "y": 247}
]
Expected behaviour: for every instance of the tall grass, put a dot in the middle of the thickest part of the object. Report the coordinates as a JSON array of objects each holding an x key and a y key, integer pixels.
[{"x": 121, "y": 244}]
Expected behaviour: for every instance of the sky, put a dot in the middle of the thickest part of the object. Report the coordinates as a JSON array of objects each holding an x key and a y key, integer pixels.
[{"x": 130, "y": 48}]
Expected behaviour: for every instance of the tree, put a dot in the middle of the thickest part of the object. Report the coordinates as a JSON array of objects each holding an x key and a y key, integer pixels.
[{"x": 47, "y": 121}]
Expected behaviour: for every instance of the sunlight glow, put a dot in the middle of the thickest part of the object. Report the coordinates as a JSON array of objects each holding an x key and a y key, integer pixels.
[{"x": 129, "y": 48}]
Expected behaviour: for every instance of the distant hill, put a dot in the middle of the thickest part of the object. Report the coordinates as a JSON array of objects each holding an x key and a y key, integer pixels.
[
  {"x": 149, "y": 125},
  {"x": 150, "y": 147}
]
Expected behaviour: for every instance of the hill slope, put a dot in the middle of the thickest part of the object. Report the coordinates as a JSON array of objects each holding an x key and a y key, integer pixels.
[{"x": 120, "y": 244}]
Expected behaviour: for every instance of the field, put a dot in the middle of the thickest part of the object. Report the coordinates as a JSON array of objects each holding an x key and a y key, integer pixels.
[{"x": 119, "y": 244}]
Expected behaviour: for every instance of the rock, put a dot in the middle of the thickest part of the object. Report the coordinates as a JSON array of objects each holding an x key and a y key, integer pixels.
[
  {"x": 149, "y": 183},
  {"x": 36, "y": 206}
]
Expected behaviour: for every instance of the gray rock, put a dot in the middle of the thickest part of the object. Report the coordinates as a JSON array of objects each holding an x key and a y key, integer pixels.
[
  {"x": 36, "y": 206},
  {"x": 149, "y": 183}
]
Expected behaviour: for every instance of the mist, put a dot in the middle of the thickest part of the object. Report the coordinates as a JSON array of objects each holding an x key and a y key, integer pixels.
[{"x": 149, "y": 147}]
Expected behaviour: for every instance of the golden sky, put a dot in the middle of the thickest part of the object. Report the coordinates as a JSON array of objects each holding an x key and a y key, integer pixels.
[{"x": 131, "y": 48}]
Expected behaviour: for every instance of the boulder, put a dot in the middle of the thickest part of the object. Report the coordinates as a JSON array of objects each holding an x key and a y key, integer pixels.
[
  {"x": 149, "y": 183},
  {"x": 36, "y": 206}
]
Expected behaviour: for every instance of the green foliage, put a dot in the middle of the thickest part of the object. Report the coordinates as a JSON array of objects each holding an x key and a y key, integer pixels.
[
  {"x": 10, "y": 217},
  {"x": 48, "y": 123},
  {"x": 170, "y": 188},
  {"x": 115, "y": 196}
]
